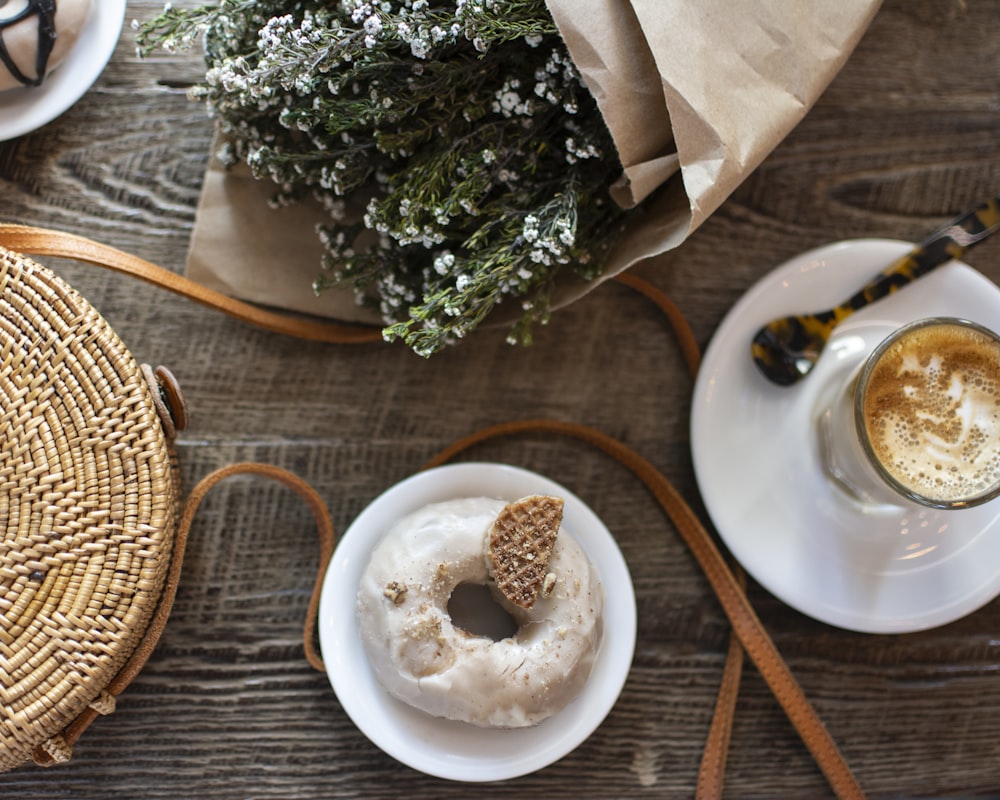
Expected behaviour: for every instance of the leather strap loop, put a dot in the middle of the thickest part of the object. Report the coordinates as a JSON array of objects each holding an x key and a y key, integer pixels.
[{"x": 748, "y": 632}]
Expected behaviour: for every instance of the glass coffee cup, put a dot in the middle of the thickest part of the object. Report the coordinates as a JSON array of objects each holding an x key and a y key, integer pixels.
[{"x": 920, "y": 421}]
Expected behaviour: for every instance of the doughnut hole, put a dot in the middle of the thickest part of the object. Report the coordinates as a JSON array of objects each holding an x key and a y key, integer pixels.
[{"x": 474, "y": 609}]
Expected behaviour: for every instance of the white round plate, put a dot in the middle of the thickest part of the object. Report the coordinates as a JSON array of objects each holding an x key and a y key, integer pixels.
[
  {"x": 22, "y": 110},
  {"x": 456, "y": 750},
  {"x": 757, "y": 463}
]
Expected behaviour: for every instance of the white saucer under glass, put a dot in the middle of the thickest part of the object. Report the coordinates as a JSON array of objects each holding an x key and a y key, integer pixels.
[{"x": 757, "y": 461}]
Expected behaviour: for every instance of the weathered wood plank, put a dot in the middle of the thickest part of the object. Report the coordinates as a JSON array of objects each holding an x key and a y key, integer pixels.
[{"x": 906, "y": 136}]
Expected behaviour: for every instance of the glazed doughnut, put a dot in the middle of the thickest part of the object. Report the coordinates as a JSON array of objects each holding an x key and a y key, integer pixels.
[
  {"x": 421, "y": 657},
  {"x": 36, "y": 36}
]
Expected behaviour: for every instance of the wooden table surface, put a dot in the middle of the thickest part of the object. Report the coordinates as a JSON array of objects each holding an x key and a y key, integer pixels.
[{"x": 907, "y": 136}]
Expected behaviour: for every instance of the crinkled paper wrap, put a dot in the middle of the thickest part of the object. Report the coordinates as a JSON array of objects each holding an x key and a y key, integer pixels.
[{"x": 695, "y": 94}]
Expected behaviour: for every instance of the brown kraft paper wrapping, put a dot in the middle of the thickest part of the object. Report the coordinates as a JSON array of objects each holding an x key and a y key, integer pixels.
[{"x": 695, "y": 96}]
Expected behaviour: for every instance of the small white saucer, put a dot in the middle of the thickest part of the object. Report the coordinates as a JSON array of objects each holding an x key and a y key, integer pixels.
[
  {"x": 22, "y": 110},
  {"x": 757, "y": 463},
  {"x": 456, "y": 750}
]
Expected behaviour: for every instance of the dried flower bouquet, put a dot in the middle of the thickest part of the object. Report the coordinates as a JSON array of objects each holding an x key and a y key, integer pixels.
[{"x": 461, "y": 133}]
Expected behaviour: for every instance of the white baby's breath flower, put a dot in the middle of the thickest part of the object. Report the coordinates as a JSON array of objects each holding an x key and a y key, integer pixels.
[{"x": 444, "y": 262}]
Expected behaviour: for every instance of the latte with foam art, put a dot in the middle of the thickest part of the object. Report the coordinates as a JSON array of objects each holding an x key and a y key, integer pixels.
[{"x": 929, "y": 412}]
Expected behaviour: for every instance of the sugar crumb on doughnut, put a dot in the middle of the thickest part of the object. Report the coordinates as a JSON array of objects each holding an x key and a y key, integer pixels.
[
  {"x": 520, "y": 545},
  {"x": 422, "y": 657},
  {"x": 395, "y": 591},
  {"x": 36, "y": 37}
]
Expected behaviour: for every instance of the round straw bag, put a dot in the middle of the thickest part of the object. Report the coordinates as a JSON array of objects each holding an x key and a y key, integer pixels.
[
  {"x": 94, "y": 523},
  {"x": 88, "y": 506}
]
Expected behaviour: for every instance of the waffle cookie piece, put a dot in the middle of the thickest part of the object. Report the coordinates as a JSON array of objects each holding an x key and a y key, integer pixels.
[{"x": 519, "y": 546}]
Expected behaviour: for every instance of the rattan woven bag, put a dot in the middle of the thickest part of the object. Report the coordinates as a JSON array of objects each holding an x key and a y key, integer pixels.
[
  {"x": 88, "y": 506},
  {"x": 93, "y": 520}
]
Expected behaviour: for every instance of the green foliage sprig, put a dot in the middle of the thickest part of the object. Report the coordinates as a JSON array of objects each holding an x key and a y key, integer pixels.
[{"x": 460, "y": 132}]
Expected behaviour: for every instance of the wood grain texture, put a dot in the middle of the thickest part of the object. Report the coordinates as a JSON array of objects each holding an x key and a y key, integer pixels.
[{"x": 905, "y": 137}]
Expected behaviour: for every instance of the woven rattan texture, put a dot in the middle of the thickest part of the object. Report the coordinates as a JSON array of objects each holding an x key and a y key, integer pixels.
[{"x": 87, "y": 506}]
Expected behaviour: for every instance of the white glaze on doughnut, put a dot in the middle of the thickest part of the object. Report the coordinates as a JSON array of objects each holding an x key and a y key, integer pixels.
[
  {"x": 21, "y": 38},
  {"x": 423, "y": 659}
]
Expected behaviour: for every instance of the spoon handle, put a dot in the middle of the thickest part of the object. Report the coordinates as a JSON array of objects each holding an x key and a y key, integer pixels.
[
  {"x": 786, "y": 349},
  {"x": 946, "y": 243}
]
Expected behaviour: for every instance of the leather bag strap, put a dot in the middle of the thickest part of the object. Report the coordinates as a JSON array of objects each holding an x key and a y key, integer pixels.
[
  {"x": 712, "y": 770},
  {"x": 748, "y": 633},
  {"x": 46, "y": 242}
]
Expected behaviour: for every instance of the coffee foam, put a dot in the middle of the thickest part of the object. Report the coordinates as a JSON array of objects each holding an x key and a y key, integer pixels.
[{"x": 932, "y": 412}]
